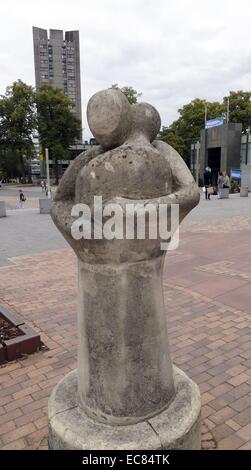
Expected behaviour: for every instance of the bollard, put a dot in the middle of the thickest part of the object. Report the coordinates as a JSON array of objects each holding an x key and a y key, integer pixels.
[
  {"x": 244, "y": 191},
  {"x": 45, "y": 206},
  {"x": 2, "y": 209}
]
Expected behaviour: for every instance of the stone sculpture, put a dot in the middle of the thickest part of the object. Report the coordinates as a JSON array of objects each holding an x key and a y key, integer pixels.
[{"x": 125, "y": 394}]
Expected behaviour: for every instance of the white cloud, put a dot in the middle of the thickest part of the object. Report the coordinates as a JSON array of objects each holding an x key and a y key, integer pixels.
[{"x": 171, "y": 51}]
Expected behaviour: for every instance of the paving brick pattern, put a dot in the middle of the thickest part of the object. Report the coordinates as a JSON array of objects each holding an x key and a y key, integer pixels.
[
  {"x": 236, "y": 223},
  {"x": 209, "y": 324}
]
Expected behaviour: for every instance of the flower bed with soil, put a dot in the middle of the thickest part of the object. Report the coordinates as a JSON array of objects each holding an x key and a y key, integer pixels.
[{"x": 16, "y": 338}]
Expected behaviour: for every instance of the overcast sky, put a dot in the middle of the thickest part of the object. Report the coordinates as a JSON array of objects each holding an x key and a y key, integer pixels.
[{"x": 170, "y": 50}]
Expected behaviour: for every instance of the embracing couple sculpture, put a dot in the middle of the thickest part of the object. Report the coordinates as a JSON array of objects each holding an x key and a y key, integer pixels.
[{"x": 125, "y": 378}]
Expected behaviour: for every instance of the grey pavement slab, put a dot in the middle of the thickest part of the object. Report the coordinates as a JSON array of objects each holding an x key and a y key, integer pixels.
[
  {"x": 26, "y": 232},
  {"x": 217, "y": 209}
]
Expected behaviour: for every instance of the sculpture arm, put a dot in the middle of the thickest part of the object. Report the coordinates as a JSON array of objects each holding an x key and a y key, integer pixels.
[
  {"x": 64, "y": 198},
  {"x": 185, "y": 191}
]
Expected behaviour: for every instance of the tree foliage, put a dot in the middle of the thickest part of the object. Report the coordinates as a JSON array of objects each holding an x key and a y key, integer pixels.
[
  {"x": 186, "y": 129},
  {"x": 10, "y": 166},
  {"x": 131, "y": 94},
  {"x": 58, "y": 127},
  {"x": 172, "y": 138},
  {"x": 239, "y": 107},
  {"x": 17, "y": 122},
  {"x": 22, "y": 112}
]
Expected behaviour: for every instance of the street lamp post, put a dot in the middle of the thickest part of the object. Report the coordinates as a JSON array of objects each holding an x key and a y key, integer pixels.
[
  {"x": 192, "y": 159},
  {"x": 247, "y": 144},
  {"x": 48, "y": 173},
  {"x": 228, "y": 110},
  {"x": 197, "y": 162},
  {"x": 205, "y": 147}
]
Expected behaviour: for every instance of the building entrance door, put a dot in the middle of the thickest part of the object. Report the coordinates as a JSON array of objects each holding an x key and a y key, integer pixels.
[{"x": 214, "y": 162}]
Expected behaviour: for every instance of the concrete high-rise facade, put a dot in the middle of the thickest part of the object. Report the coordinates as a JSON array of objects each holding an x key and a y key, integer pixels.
[{"x": 57, "y": 61}]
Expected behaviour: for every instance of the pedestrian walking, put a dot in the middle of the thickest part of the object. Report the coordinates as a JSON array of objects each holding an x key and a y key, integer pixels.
[
  {"x": 42, "y": 185},
  {"x": 208, "y": 183},
  {"x": 226, "y": 183},
  {"x": 22, "y": 199}
]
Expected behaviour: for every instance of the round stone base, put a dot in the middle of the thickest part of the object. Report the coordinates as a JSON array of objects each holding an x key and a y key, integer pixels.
[{"x": 177, "y": 427}]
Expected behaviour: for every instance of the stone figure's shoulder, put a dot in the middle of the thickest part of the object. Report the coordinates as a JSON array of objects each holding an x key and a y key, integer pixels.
[
  {"x": 85, "y": 157},
  {"x": 66, "y": 188},
  {"x": 96, "y": 161},
  {"x": 165, "y": 148}
]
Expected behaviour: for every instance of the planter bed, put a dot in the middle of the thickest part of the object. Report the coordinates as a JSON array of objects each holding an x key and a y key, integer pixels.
[{"x": 16, "y": 338}]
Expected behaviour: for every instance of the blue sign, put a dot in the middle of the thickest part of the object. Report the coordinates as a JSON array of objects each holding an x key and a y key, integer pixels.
[
  {"x": 219, "y": 121},
  {"x": 235, "y": 174}
]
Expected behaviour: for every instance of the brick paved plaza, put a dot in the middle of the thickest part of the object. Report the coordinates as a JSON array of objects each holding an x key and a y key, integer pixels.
[{"x": 207, "y": 286}]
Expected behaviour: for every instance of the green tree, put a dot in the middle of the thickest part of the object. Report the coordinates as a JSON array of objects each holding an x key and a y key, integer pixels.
[
  {"x": 17, "y": 122},
  {"x": 239, "y": 107},
  {"x": 187, "y": 127},
  {"x": 58, "y": 126},
  {"x": 9, "y": 164},
  {"x": 131, "y": 94},
  {"x": 171, "y": 137}
]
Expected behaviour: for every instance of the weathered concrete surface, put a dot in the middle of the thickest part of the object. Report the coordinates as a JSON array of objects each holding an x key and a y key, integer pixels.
[
  {"x": 178, "y": 427},
  {"x": 2, "y": 209},
  {"x": 45, "y": 205},
  {"x": 125, "y": 373},
  {"x": 244, "y": 191},
  {"x": 246, "y": 176},
  {"x": 228, "y": 138},
  {"x": 109, "y": 117},
  {"x": 124, "y": 367}
]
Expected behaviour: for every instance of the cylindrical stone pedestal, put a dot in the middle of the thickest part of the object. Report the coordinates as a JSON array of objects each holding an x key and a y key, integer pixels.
[
  {"x": 177, "y": 427},
  {"x": 124, "y": 368},
  {"x": 125, "y": 394}
]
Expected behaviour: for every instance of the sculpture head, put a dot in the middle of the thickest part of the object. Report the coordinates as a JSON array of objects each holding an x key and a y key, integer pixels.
[
  {"x": 109, "y": 116},
  {"x": 146, "y": 120},
  {"x": 113, "y": 120}
]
